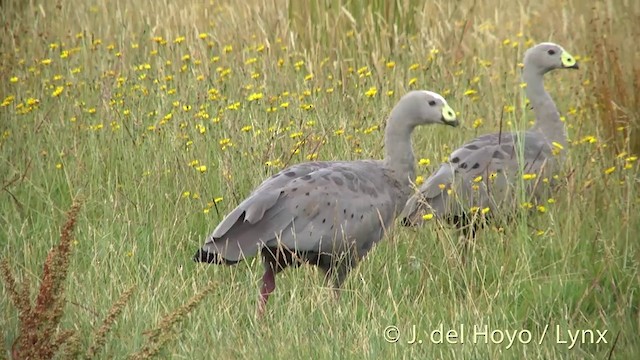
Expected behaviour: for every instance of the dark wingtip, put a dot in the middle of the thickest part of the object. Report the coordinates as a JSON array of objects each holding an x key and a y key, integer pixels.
[
  {"x": 203, "y": 256},
  {"x": 211, "y": 258},
  {"x": 406, "y": 222}
]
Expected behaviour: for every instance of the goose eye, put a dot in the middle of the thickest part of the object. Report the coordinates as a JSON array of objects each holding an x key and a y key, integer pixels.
[
  {"x": 432, "y": 103},
  {"x": 551, "y": 52}
]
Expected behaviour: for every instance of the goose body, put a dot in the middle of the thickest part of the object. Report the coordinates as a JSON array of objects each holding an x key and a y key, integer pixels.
[
  {"x": 328, "y": 214},
  {"x": 483, "y": 173}
]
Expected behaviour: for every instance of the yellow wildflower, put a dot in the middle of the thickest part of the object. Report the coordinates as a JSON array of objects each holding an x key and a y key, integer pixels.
[
  {"x": 424, "y": 162},
  {"x": 371, "y": 92},
  {"x": 225, "y": 143},
  {"x": 57, "y": 91}
]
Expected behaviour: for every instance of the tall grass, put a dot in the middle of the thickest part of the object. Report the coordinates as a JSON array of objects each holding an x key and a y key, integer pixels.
[
  {"x": 616, "y": 79},
  {"x": 163, "y": 115}
]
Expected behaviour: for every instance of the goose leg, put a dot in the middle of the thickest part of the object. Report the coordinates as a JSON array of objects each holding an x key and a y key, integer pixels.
[
  {"x": 468, "y": 227},
  {"x": 270, "y": 264},
  {"x": 471, "y": 238},
  {"x": 268, "y": 285},
  {"x": 274, "y": 260},
  {"x": 336, "y": 271}
]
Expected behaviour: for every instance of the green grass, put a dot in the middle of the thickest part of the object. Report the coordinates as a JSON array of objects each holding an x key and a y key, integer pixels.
[{"x": 134, "y": 116}]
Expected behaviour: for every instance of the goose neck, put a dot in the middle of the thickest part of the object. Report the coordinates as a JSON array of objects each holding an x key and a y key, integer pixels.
[
  {"x": 399, "y": 156},
  {"x": 547, "y": 117}
]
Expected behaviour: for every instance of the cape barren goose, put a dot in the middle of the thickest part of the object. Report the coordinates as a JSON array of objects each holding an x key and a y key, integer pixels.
[
  {"x": 481, "y": 175},
  {"x": 328, "y": 214}
]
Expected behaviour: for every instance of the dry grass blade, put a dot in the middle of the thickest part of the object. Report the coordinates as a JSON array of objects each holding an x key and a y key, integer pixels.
[
  {"x": 616, "y": 84},
  {"x": 160, "y": 335}
]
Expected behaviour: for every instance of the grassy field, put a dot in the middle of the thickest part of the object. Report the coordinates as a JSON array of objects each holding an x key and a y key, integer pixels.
[{"x": 158, "y": 117}]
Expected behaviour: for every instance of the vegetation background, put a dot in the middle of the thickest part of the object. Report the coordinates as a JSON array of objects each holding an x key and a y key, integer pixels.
[{"x": 153, "y": 119}]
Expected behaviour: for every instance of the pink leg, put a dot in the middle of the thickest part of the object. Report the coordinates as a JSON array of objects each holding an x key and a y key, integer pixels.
[{"x": 268, "y": 285}]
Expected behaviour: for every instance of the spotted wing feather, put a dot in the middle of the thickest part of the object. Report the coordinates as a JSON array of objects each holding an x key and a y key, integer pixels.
[
  {"x": 325, "y": 207},
  {"x": 481, "y": 174}
]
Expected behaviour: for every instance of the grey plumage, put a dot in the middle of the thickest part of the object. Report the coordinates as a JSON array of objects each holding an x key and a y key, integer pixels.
[
  {"x": 484, "y": 172},
  {"x": 305, "y": 207},
  {"x": 329, "y": 214}
]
